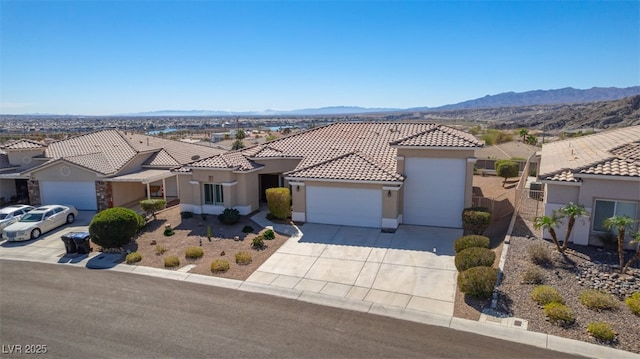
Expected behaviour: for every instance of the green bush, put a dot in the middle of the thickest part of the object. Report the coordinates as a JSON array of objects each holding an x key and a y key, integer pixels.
[
  {"x": 269, "y": 235},
  {"x": 470, "y": 241},
  {"x": 133, "y": 257},
  {"x": 247, "y": 229},
  {"x": 171, "y": 261},
  {"x": 168, "y": 231},
  {"x": 160, "y": 249},
  {"x": 219, "y": 265},
  {"x": 476, "y": 219},
  {"x": 597, "y": 300},
  {"x": 545, "y": 294},
  {"x": 507, "y": 169},
  {"x": 113, "y": 227},
  {"x": 601, "y": 331},
  {"x": 151, "y": 206},
  {"x": 478, "y": 282},
  {"x": 474, "y": 257},
  {"x": 194, "y": 252},
  {"x": 243, "y": 258},
  {"x": 279, "y": 202},
  {"x": 229, "y": 216},
  {"x": 633, "y": 302},
  {"x": 559, "y": 313},
  {"x": 539, "y": 254},
  {"x": 142, "y": 222},
  {"x": 532, "y": 275},
  {"x": 257, "y": 242}
]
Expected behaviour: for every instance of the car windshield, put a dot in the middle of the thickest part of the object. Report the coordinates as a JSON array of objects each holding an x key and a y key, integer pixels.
[
  {"x": 3, "y": 215},
  {"x": 32, "y": 217}
]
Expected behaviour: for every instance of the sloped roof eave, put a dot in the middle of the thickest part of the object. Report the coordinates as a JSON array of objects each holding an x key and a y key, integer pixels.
[{"x": 333, "y": 180}]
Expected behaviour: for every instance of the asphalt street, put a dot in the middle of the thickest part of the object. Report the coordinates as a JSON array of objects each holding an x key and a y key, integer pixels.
[{"x": 80, "y": 313}]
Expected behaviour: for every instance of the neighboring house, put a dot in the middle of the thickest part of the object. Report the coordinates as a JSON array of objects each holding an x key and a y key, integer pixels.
[
  {"x": 360, "y": 174},
  {"x": 601, "y": 172},
  {"x": 95, "y": 171}
]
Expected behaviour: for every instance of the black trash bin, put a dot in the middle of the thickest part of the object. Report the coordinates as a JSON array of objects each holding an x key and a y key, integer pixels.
[
  {"x": 69, "y": 243},
  {"x": 81, "y": 240}
]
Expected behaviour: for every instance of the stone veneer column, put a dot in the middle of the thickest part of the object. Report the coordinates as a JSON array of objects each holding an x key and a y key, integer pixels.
[
  {"x": 34, "y": 192},
  {"x": 104, "y": 195}
]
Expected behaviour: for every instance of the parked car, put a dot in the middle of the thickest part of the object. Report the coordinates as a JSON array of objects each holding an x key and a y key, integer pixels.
[
  {"x": 38, "y": 221},
  {"x": 11, "y": 214}
]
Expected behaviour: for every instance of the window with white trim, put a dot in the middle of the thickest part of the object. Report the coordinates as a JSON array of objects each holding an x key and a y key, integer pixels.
[
  {"x": 605, "y": 209},
  {"x": 213, "y": 194}
]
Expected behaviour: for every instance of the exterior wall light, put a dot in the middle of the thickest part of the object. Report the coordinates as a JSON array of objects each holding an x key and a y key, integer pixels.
[
  {"x": 298, "y": 188},
  {"x": 389, "y": 193}
]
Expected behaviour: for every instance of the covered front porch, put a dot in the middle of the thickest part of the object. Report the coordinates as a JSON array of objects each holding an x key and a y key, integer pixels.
[{"x": 128, "y": 190}]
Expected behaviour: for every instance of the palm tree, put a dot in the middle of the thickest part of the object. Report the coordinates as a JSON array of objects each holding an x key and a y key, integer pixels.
[
  {"x": 532, "y": 140},
  {"x": 572, "y": 211},
  {"x": 636, "y": 240},
  {"x": 523, "y": 133},
  {"x": 550, "y": 223},
  {"x": 619, "y": 223}
]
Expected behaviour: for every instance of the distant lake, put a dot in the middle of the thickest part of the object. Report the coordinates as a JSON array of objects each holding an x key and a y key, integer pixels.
[{"x": 157, "y": 132}]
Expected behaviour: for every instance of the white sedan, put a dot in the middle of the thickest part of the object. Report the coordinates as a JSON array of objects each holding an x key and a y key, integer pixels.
[
  {"x": 11, "y": 214},
  {"x": 38, "y": 221}
]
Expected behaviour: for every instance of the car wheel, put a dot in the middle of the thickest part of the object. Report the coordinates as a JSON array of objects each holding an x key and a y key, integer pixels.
[
  {"x": 35, "y": 233},
  {"x": 70, "y": 218}
]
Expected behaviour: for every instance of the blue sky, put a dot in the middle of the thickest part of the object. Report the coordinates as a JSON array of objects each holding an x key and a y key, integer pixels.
[{"x": 110, "y": 57}]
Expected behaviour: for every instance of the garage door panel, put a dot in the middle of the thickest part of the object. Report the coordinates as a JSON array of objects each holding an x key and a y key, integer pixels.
[
  {"x": 344, "y": 206},
  {"x": 80, "y": 194},
  {"x": 434, "y": 191}
]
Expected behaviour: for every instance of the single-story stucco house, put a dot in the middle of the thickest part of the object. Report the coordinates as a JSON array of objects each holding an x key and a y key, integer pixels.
[
  {"x": 95, "y": 171},
  {"x": 360, "y": 174},
  {"x": 601, "y": 172}
]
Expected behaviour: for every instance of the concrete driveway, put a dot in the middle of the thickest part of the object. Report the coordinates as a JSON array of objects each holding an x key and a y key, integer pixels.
[
  {"x": 49, "y": 247},
  {"x": 412, "y": 268}
]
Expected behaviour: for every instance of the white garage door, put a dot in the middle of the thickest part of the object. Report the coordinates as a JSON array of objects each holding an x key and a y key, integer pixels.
[
  {"x": 344, "y": 206},
  {"x": 80, "y": 194},
  {"x": 434, "y": 192}
]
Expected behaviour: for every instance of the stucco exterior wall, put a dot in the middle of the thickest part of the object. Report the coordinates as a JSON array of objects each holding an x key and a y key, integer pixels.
[
  {"x": 7, "y": 188},
  {"x": 125, "y": 192},
  {"x": 63, "y": 172},
  {"x": 279, "y": 165},
  {"x": 135, "y": 164},
  {"x": 24, "y": 157}
]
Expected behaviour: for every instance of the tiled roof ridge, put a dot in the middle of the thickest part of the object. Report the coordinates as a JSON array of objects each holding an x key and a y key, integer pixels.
[
  {"x": 436, "y": 126},
  {"x": 582, "y": 169},
  {"x": 344, "y": 155},
  {"x": 167, "y": 153},
  {"x": 70, "y": 159},
  {"x": 11, "y": 143}
]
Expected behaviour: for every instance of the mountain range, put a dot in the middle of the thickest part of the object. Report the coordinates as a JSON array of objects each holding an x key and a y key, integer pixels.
[{"x": 567, "y": 95}]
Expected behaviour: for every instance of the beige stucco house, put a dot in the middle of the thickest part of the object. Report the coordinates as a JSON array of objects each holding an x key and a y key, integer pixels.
[
  {"x": 95, "y": 171},
  {"x": 601, "y": 172},
  {"x": 361, "y": 174}
]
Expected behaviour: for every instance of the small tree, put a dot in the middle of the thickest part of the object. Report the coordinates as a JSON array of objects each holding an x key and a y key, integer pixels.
[
  {"x": 636, "y": 241},
  {"x": 279, "y": 202},
  {"x": 113, "y": 227},
  {"x": 572, "y": 211},
  {"x": 151, "y": 206},
  {"x": 620, "y": 224},
  {"x": 550, "y": 223},
  {"x": 237, "y": 144},
  {"x": 506, "y": 169},
  {"x": 532, "y": 140},
  {"x": 240, "y": 134},
  {"x": 523, "y": 133}
]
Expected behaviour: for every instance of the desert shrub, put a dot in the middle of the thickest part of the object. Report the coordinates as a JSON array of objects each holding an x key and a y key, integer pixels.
[
  {"x": 279, "y": 202},
  {"x": 219, "y": 265},
  {"x": 474, "y": 257},
  {"x": 476, "y": 220},
  {"x": 186, "y": 214},
  {"x": 113, "y": 227},
  {"x": 532, "y": 275},
  {"x": 243, "y": 258},
  {"x": 597, "y": 300},
  {"x": 194, "y": 252},
  {"x": 229, "y": 216},
  {"x": 168, "y": 231},
  {"x": 171, "y": 261},
  {"x": 470, "y": 241},
  {"x": 160, "y": 249},
  {"x": 478, "y": 282},
  {"x": 539, "y": 254},
  {"x": 493, "y": 137},
  {"x": 269, "y": 235},
  {"x": 545, "y": 294},
  {"x": 133, "y": 257},
  {"x": 142, "y": 222},
  {"x": 559, "y": 313},
  {"x": 601, "y": 331},
  {"x": 247, "y": 229},
  {"x": 257, "y": 242},
  {"x": 633, "y": 302},
  {"x": 151, "y": 206},
  {"x": 507, "y": 169}
]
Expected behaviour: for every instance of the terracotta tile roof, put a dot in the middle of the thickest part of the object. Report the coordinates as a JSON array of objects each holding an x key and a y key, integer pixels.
[
  {"x": 350, "y": 166},
  {"x": 231, "y": 160},
  {"x": 609, "y": 153},
  {"x": 370, "y": 141},
  {"x": 22, "y": 144},
  {"x": 108, "y": 151}
]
